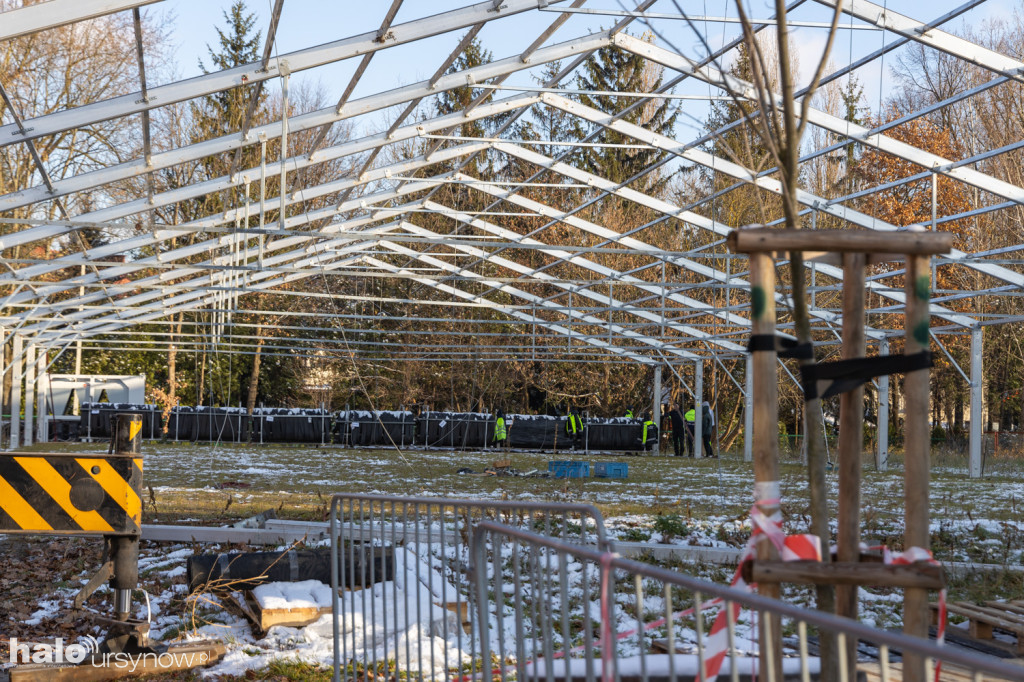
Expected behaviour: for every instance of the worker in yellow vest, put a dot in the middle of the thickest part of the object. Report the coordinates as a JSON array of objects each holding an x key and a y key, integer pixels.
[
  {"x": 500, "y": 432},
  {"x": 649, "y": 433},
  {"x": 690, "y": 417},
  {"x": 574, "y": 428}
]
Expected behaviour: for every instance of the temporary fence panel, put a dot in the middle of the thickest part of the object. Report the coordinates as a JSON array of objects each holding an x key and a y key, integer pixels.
[
  {"x": 643, "y": 622},
  {"x": 419, "y": 622}
]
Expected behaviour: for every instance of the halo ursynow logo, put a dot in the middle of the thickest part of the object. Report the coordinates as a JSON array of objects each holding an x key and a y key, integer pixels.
[{"x": 56, "y": 653}]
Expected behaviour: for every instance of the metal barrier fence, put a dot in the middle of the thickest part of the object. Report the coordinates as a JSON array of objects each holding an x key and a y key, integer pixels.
[
  {"x": 552, "y": 630},
  {"x": 406, "y": 610}
]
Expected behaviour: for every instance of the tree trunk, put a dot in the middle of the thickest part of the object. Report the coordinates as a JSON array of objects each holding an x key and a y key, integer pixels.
[{"x": 254, "y": 383}]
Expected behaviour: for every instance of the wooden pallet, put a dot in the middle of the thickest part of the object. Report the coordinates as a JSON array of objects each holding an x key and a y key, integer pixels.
[{"x": 1007, "y": 616}]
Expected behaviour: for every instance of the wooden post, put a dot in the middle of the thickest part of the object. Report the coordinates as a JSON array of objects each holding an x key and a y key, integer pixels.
[
  {"x": 766, "y": 440},
  {"x": 916, "y": 452},
  {"x": 851, "y": 436}
]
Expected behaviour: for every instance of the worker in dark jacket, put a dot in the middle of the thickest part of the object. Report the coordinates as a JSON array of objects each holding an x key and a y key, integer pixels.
[
  {"x": 675, "y": 415},
  {"x": 629, "y": 413},
  {"x": 500, "y": 431},
  {"x": 707, "y": 425},
  {"x": 574, "y": 428}
]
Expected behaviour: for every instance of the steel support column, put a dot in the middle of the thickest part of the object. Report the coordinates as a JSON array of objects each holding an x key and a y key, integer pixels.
[
  {"x": 30, "y": 394},
  {"x": 882, "y": 451},
  {"x": 977, "y": 422},
  {"x": 698, "y": 397},
  {"x": 656, "y": 408},
  {"x": 16, "y": 359},
  {"x": 748, "y": 410}
]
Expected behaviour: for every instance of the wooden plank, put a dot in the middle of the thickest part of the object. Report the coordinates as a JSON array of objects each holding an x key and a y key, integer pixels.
[
  {"x": 851, "y": 448},
  {"x": 765, "y": 240},
  {"x": 920, "y": 575},
  {"x": 1010, "y": 608},
  {"x": 183, "y": 657},
  {"x": 298, "y": 616},
  {"x": 872, "y": 672}
]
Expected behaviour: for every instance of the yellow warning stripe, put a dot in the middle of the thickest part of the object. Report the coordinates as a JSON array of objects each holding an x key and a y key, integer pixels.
[
  {"x": 138, "y": 462},
  {"x": 115, "y": 486},
  {"x": 60, "y": 490},
  {"x": 133, "y": 429},
  {"x": 18, "y": 509}
]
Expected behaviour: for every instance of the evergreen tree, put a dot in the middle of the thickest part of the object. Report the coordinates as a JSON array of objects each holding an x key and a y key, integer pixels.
[
  {"x": 613, "y": 69},
  {"x": 222, "y": 112},
  {"x": 740, "y": 144}
]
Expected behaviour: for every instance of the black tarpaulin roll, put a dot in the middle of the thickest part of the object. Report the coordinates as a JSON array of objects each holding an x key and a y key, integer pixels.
[
  {"x": 614, "y": 434},
  {"x": 454, "y": 429},
  {"x": 361, "y": 566},
  {"x": 377, "y": 428},
  {"x": 536, "y": 432}
]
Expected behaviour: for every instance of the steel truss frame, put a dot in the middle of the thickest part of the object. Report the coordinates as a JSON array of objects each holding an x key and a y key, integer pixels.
[{"x": 633, "y": 311}]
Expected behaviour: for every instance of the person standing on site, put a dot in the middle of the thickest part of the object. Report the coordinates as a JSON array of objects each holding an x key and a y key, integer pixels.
[
  {"x": 629, "y": 413},
  {"x": 675, "y": 417},
  {"x": 574, "y": 428},
  {"x": 707, "y": 425},
  {"x": 649, "y": 434},
  {"x": 500, "y": 431},
  {"x": 690, "y": 417}
]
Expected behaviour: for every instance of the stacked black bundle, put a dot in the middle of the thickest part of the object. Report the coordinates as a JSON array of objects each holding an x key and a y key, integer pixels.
[
  {"x": 454, "y": 429},
  {"x": 536, "y": 432},
  {"x": 95, "y": 419},
  {"x": 359, "y": 427}
]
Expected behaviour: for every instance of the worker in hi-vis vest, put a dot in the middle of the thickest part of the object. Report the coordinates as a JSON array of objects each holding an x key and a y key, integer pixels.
[
  {"x": 629, "y": 413},
  {"x": 574, "y": 428},
  {"x": 690, "y": 417},
  {"x": 500, "y": 432},
  {"x": 649, "y": 434}
]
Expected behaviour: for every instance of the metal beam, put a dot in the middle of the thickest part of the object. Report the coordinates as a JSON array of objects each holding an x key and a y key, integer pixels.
[
  {"x": 46, "y": 15},
  {"x": 300, "y": 60}
]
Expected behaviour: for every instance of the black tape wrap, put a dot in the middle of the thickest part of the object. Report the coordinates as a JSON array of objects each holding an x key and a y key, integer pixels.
[
  {"x": 785, "y": 348},
  {"x": 846, "y": 375}
]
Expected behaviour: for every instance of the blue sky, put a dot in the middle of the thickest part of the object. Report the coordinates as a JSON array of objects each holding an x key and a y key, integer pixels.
[{"x": 306, "y": 23}]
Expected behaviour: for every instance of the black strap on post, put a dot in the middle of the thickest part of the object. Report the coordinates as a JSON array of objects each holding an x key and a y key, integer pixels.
[
  {"x": 784, "y": 348},
  {"x": 846, "y": 375}
]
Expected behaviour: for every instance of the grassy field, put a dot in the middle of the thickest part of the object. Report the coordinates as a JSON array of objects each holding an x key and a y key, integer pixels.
[{"x": 183, "y": 483}]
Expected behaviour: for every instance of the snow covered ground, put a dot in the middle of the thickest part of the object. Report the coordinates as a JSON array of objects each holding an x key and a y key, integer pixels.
[{"x": 665, "y": 500}]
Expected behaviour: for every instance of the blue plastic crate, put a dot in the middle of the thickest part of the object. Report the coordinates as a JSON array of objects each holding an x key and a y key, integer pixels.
[
  {"x": 567, "y": 469},
  {"x": 611, "y": 470}
]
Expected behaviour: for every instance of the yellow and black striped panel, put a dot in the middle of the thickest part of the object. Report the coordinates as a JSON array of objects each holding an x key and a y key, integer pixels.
[{"x": 66, "y": 494}]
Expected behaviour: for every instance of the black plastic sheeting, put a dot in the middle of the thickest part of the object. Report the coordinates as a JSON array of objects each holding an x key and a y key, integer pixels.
[
  {"x": 361, "y": 427},
  {"x": 96, "y": 418},
  {"x": 224, "y": 424},
  {"x": 454, "y": 429},
  {"x": 474, "y": 430},
  {"x": 365, "y": 565}
]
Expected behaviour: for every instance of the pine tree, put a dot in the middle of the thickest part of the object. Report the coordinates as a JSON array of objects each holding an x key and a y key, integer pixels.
[
  {"x": 613, "y": 69},
  {"x": 222, "y": 112}
]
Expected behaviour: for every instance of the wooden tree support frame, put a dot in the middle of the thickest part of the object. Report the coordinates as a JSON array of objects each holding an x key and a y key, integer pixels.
[{"x": 854, "y": 250}]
